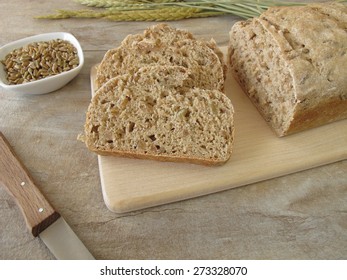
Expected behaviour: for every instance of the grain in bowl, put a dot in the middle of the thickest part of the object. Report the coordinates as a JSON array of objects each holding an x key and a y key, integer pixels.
[
  {"x": 41, "y": 63},
  {"x": 39, "y": 60}
]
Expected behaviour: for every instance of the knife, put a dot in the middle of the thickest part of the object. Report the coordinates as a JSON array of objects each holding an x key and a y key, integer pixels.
[{"x": 40, "y": 217}]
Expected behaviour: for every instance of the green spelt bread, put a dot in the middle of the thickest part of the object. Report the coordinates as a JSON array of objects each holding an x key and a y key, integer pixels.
[
  {"x": 164, "y": 45},
  {"x": 292, "y": 63},
  {"x": 156, "y": 114}
]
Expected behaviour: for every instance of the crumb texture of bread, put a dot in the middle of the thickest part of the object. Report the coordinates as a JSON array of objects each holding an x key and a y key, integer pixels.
[
  {"x": 291, "y": 62},
  {"x": 159, "y": 95},
  {"x": 165, "y": 45},
  {"x": 155, "y": 113}
]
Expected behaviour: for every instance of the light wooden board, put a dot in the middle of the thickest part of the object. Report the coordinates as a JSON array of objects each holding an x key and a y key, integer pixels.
[{"x": 132, "y": 184}]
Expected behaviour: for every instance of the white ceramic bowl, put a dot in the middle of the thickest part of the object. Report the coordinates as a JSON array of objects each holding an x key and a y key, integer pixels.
[{"x": 47, "y": 84}]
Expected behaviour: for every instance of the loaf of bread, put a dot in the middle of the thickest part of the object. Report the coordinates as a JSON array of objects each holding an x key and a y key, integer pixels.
[
  {"x": 164, "y": 45},
  {"x": 158, "y": 113},
  {"x": 292, "y": 63}
]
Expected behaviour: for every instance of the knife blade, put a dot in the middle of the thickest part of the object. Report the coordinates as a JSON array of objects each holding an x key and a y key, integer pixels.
[{"x": 40, "y": 217}]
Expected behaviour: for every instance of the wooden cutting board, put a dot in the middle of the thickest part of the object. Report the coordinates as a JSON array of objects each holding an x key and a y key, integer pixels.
[{"x": 132, "y": 184}]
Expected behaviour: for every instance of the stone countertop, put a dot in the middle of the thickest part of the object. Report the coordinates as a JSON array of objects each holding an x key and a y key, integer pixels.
[{"x": 298, "y": 216}]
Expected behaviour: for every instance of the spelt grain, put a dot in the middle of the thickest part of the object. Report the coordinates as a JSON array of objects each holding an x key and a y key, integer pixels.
[{"x": 39, "y": 60}]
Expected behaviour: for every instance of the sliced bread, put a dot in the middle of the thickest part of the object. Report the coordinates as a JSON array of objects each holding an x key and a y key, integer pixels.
[{"x": 154, "y": 113}]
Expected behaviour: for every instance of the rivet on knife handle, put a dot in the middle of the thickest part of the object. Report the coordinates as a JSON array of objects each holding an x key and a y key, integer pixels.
[{"x": 37, "y": 211}]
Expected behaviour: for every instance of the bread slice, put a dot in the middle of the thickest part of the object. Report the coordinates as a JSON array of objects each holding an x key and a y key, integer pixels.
[
  {"x": 164, "y": 45},
  {"x": 156, "y": 114},
  {"x": 291, "y": 62}
]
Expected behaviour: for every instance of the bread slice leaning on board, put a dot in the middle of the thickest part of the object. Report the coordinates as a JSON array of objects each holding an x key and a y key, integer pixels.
[
  {"x": 292, "y": 63},
  {"x": 156, "y": 113}
]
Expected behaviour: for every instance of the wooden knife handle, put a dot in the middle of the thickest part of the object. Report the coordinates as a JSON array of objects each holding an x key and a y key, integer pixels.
[{"x": 37, "y": 211}]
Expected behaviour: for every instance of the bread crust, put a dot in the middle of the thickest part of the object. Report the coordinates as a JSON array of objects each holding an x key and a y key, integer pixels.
[
  {"x": 163, "y": 158},
  {"x": 312, "y": 44}
]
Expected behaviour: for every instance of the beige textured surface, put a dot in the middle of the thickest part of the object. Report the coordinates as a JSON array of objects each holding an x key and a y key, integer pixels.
[{"x": 300, "y": 216}]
